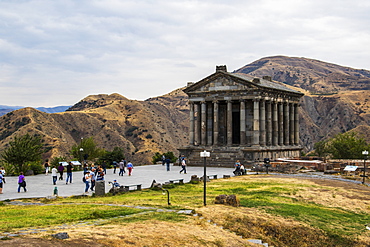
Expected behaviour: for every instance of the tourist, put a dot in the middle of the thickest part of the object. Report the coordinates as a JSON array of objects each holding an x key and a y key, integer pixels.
[
  {"x": 104, "y": 166},
  {"x": 69, "y": 172},
  {"x": 85, "y": 168},
  {"x": 237, "y": 171},
  {"x": 54, "y": 175},
  {"x": 46, "y": 166},
  {"x": 168, "y": 161},
  {"x": 2, "y": 169},
  {"x": 115, "y": 183},
  {"x": 93, "y": 178},
  {"x": 183, "y": 166},
  {"x": 2, "y": 181},
  {"x": 60, "y": 170},
  {"x": 21, "y": 182},
  {"x": 130, "y": 166},
  {"x": 87, "y": 179},
  {"x": 100, "y": 174},
  {"x": 242, "y": 169},
  {"x": 114, "y": 167},
  {"x": 121, "y": 166},
  {"x": 92, "y": 167},
  {"x": 163, "y": 160}
]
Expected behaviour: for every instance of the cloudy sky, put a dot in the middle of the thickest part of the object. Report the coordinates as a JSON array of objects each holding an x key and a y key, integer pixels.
[{"x": 56, "y": 52}]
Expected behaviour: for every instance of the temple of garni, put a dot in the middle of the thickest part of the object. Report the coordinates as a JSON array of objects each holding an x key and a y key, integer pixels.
[{"x": 239, "y": 117}]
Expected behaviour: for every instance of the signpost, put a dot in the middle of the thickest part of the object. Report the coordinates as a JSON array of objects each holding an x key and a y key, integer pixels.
[
  {"x": 205, "y": 154},
  {"x": 365, "y": 154}
]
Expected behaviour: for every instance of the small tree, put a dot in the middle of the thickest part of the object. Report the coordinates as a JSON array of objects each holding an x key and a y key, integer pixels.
[
  {"x": 86, "y": 150},
  {"x": 347, "y": 146},
  {"x": 342, "y": 146},
  {"x": 23, "y": 150},
  {"x": 158, "y": 157},
  {"x": 109, "y": 157}
]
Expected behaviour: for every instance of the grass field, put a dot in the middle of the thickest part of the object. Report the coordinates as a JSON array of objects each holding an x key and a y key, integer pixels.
[{"x": 281, "y": 211}]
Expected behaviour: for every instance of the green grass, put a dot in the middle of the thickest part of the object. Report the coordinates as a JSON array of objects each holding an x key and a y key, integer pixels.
[
  {"x": 15, "y": 217},
  {"x": 340, "y": 225}
]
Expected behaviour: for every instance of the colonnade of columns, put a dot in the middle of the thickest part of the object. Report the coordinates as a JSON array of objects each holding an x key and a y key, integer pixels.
[{"x": 257, "y": 122}]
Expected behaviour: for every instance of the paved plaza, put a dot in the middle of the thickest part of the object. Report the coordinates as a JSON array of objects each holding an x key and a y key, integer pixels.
[{"x": 42, "y": 185}]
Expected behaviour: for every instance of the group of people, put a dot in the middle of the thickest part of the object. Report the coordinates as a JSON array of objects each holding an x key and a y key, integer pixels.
[
  {"x": 92, "y": 175},
  {"x": 182, "y": 161},
  {"x": 239, "y": 169}
]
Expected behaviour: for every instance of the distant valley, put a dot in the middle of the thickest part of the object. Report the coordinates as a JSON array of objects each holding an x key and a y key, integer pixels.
[{"x": 5, "y": 109}]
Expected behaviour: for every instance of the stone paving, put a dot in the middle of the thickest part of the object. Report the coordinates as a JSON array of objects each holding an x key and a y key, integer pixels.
[{"x": 42, "y": 186}]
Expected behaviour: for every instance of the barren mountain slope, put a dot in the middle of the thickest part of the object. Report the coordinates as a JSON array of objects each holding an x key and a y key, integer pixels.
[
  {"x": 313, "y": 75},
  {"x": 140, "y": 128},
  {"x": 336, "y": 98}
]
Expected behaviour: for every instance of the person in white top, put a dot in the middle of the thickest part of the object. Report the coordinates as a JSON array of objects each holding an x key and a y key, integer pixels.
[
  {"x": 87, "y": 178},
  {"x": 54, "y": 175}
]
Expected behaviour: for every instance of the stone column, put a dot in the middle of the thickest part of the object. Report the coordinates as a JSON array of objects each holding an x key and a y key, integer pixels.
[
  {"x": 281, "y": 124},
  {"x": 191, "y": 127},
  {"x": 242, "y": 122},
  {"x": 256, "y": 123},
  {"x": 196, "y": 124},
  {"x": 296, "y": 125},
  {"x": 291, "y": 124},
  {"x": 275, "y": 130},
  {"x": 209, "y": 110},
  {"x": 262, "y": 123},
  {"x": 268, "y": 124},
  {"x": 286, "y": 124},
  {"x": 215, "y": 122},
  {"x": 203, "y": 128},
  {"x": 229, "y": 123}
]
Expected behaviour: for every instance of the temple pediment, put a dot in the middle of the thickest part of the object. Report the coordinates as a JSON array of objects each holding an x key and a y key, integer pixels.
[
  {"x": 220, "y": 82},
  {"x": 224, "y": 81}
]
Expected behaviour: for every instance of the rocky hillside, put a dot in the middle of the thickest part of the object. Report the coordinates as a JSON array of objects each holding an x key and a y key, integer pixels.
[
  {"x": 140, "y": 128},
  {"x": 312, "y": 75},
  {"x": 336, "y": 100}
]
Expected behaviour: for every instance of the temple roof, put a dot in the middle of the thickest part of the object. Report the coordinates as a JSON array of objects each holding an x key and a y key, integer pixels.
[{"x": 241, "y": 78}]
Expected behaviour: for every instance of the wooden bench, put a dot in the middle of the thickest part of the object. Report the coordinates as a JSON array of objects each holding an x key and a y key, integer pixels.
[
  {"x": 138, "y": 186},
  {"x": 214, "y": 176},
  {"x": 181, "y": 180}
]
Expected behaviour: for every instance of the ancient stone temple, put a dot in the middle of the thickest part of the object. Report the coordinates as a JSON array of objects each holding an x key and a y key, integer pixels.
[{"x": 239, "y": 117}]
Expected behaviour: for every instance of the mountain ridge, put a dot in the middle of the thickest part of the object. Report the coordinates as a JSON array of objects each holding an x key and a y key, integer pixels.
[{"x": 161, "y": 124}]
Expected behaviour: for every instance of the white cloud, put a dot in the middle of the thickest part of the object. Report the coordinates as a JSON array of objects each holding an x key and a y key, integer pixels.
[{"x": 57, "y": 52}]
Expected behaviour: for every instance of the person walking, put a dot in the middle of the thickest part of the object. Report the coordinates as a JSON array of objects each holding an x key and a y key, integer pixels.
[
  {"x": 60, "y": 170},
  {"x": 163, "y": 160},
  {"x": 2, "y": 181},
  {"x": 46, "y": 166},
  {"x": 93, "y": 178},
  {"x": 87, "y": 179},
  {"x": 183, "y": 166},
  {"x": 69, "y": 172},
  {"x": 104, "y": 166},
  {"x": 54, "y": 175},
  {"x": 121, "y": 166},
  {"x": 114, "y": 167},
  {"x": 21, "y": 182},
  {"x": 168, "y": 161},
  {"x": 130, "y": 166}
]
